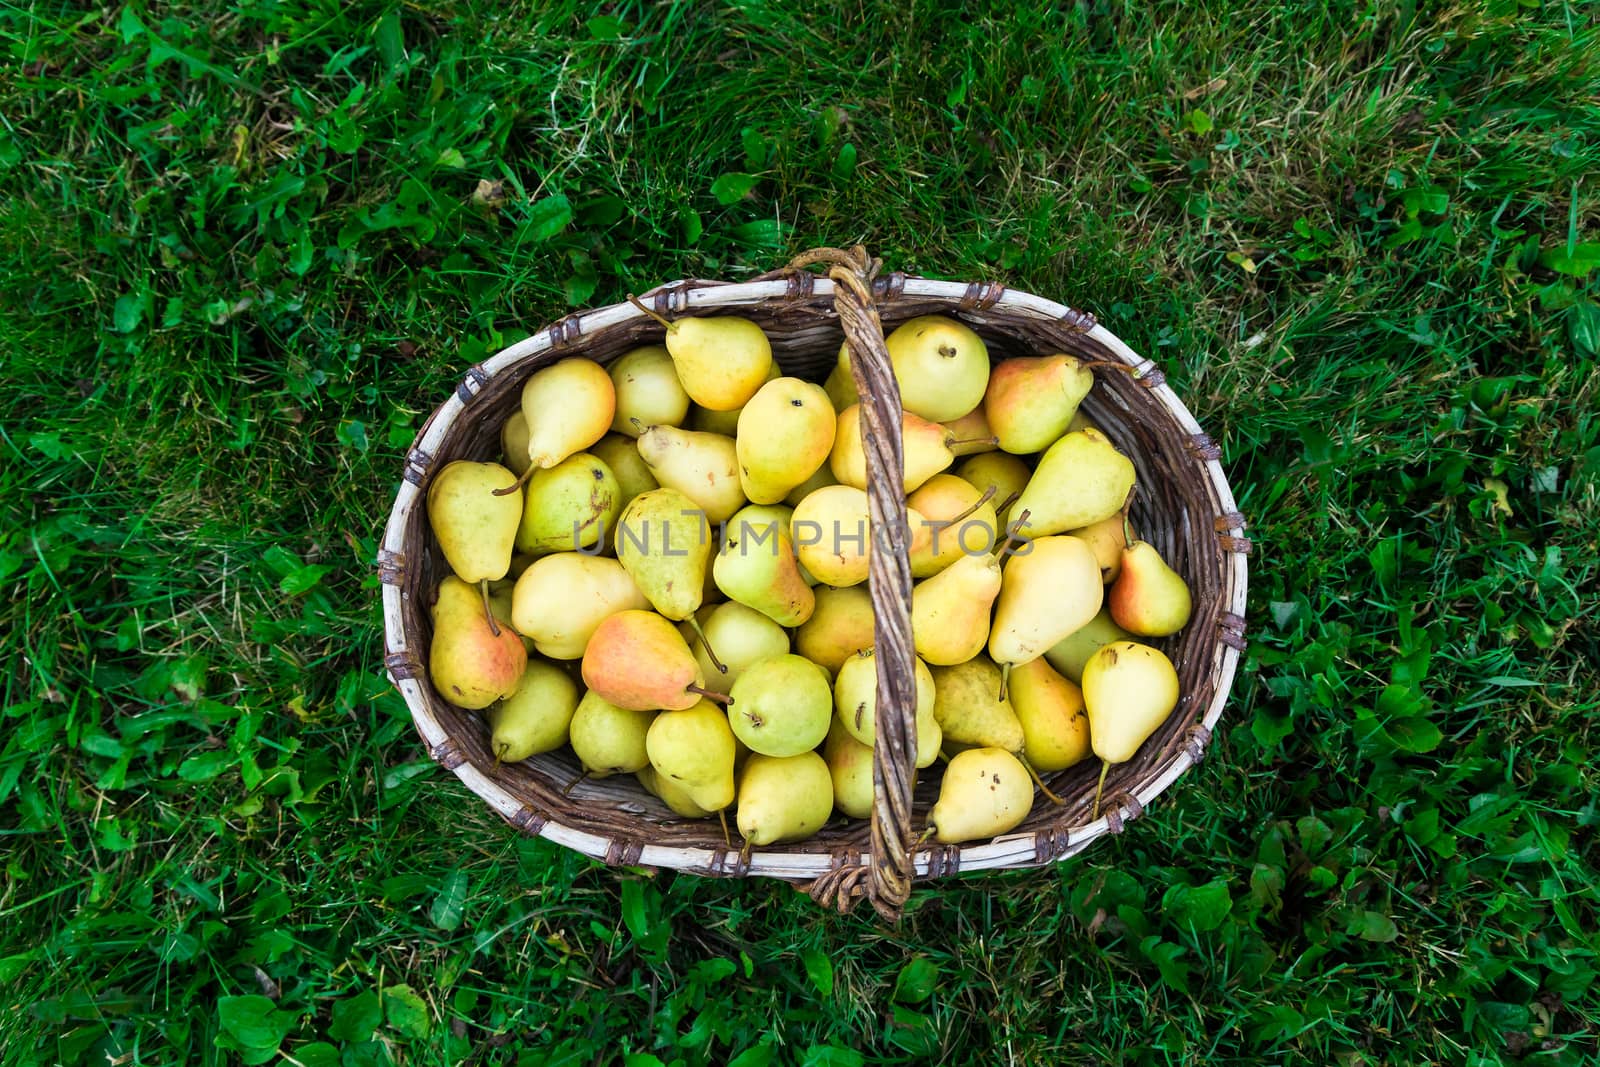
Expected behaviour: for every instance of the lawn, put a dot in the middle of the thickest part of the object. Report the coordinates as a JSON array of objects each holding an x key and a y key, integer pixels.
[{"x": 247, "y": 246}]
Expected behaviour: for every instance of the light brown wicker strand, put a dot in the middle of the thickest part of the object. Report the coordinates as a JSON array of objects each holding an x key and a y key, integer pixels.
[{"x": 888, "y": 883}]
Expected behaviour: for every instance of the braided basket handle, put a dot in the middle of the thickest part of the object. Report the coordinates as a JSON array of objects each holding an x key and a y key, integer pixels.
[{"x": 886, "y": 881}]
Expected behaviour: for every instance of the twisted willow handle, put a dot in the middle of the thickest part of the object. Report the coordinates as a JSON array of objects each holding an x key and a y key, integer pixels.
[{"x": 886, "y": 881}]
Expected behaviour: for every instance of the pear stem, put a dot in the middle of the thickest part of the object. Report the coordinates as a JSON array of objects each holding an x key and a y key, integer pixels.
[
  {"x": 1094, "y": 812},
  {"x": 488, "y": 612},
  {"x": 722, "y": 817},
  {"x": 711, "y": 654},
  {"x": 1016, "y": 494},
  {"x": 575, "y": 783},
  {"x": 1051, "y": 797},
  {"x": 714, "y": 697},
  {"x": 638, "y": 424},
  {"x": 1005, "y": 679},
  {"x": 521, "y": 481},
  {"x": 1012, "y": 530},
  {"x": 929, "y": 832},
  {"x": 1113, "y": 363},
  {"x": 635, "y": 302},
  {"x": 952, "y": 442},
  {"x": 976, "y": 504}
]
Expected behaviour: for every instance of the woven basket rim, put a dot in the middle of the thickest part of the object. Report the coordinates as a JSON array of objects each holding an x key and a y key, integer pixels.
[{"x": 1006, "y": 851}]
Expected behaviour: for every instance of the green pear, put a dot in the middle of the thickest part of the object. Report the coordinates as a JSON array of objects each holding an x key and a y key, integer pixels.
[
  {"x": 570, "y": 505},
  {"x": 500, "y": 606},
  {"x": 673, "y": 795},
  {"x": 560, "y": 600},
  {"x": 831, "y": 530},
  {"x": 607, "y": 739},
  {"x": 702, "y": 466},
  {"x": 621, "y": 454},
  {"x": 961, "y": 521},
  {"x": 1081, "y": 421},
  {"x": 1073, "y": 651},
  {"x": 476, "y": 529},
  {"x": 841, "y": 384},
  {"x": 742, "y": 636},
  {"x": 850, "y": 766},
  {"x": 1005, "y": 472},
  {"x": 1031, "y": 400},
  {"x": 665, "y": 546},
  {"x": 971, "y": 434},
  {"x": 950, "y": 611},
  {"x": 721, "y": 359},
  {"x": 785, "y": 435},
  {"x": 514, "y": 443},
  {"x": 784, "y": 798},
  {"x": 1080, "y": 480},
  {"x": 1149, "y": 599},
  {"x": 781, "y": 706},
  {"x": 970, "y": 710},
  {"x": 638, "y": 660},
  {"x": 469, "y": 664},
  {"x": 821, "y": 478},
  {"x": 568, "y": 406},
  {"x": 693, "y": 750},
  {"x": 648, "y": 391},
  {"x": 1051, "y": 588},
  {"x": 534, "y": 718},
  {"x": 841, "y": 626},
  {"x": 756, "y": 565},
  {"x": 926, "y": 448},
  {"x": 855, "y": 700},
  {"x": 942, "y": 367},
  {"x": 1129, "y": 689},
  {"x": 1055, "y": 728},
  {"x": 985, "y": 792},
  {"x": 1106, "y": 539}
]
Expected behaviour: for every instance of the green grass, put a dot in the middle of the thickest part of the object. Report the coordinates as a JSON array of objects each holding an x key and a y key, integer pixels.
[{"x": 242, "y": 260}]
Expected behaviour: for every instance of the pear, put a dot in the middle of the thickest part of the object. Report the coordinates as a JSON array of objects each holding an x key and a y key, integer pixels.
[
  {"x": 1106, "y": 539},
  {"x": 621, "y": 454},
  {"x": 742, "y": 637},
  {"x": 1149, "y": 599},
  {"x": 702, "y": 466},
  {"x": 781, "y": 706},
  {"x": 855, "y": 699},
  {"x": 1055, "y": 729},
  {"x": 756, "y": 566},
  {"x": 961, "y": 521},
  {"x": 942, "y": 367},
  {"x": 926, "y": 449},
  {"x": 785, "y": 434},
  {"x": 514, "y": 443},
  {"x": 1031, "y": 400},
  {"x": 985, "y": 792},
  {"x": 705, "y": 420},
  {"x": 534, "y": 718},
  {"x": 648, "y": 391},
  {"x": 568, "y": 407},
  {"x": 971, "y": 434},
  {"x": 673, "y": 795},
  {"x": 820, "y": 479},
  {"x": 784, "y": 798},
  {"x": 665, "y": 546},
  {"x": 692, "y": 750},
  {"x": 476, "y": 529},
  {"x": 969, "y": 709},
  {"x": 1073, "y": 651},
  {"x": 1080, "y": 480},
  {"x": 841, "y": 384},
  {"x": 1081, "y": 421},
  {"x": 607, "y": 739},
  {"x": 570, "y": 505},
  {"x": 1129, "y": 689},
  {"x": 841, "y": 626},
  {"x": 1051, "y": 588},
  {"x": 722, "y": 360},
  {"x": 950, "y": 611},
  {"x": 559, "y": 601},
  {"x": 470, "y": 664},
  {"x": 831, "y": 530},
  {"x": 1008, "y": 474},
  {"x": 500, "y": 599},
  {"x": 638, "y": 660},
  {"x": 850, "y": 766}
]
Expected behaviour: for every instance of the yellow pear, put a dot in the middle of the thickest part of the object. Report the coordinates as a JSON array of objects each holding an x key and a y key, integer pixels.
[
  {"x": 783, "y": 798},
  {"x": 665, "y": 547},
  {"x": 985, "y": 792},
  {"x": 841, "y": 384},
  {"x": 702, "y": 466},
  {"x": 742, "y": 637},
  {"x": 1080, "y": 480},
  {"x": 785, "y": 435},
  {"x": 693, "y": 750},
  {"x": 961, "y": 521},
  {"x": 559, "y": 601},
  {"x": 970, "y": 434},
  {"x": 1055, "y": 728},
  {"x": 470, "y": 664},
  {"x": 607, "y": 739},
  {"x": 1129, "y": 689},
  {"x": 514, "y": 443},
  {"x": 841, "y": 626},
  {"x": 1031, "y": 400},
  {"x": 568, "y": 407},
  {"x": 850, "y": 765},
  {"x": 476, "y": 529},
  {"x": 638, "y": 660},
  {"x": 673, "y": 795},
  {"x": 648, "y": 391},
  {"x": 1106, "y": 539},
  {"x": 950, "y": 611},
  {"x": 570, "y": 505},
  {"x": 855, "y": 700},
  {"x": 1149, "y": 599},
  {"x": 721, "y": 359},
  {"x": 942, "y": 367},
  {"x": 925, "y": 448},
  {"x": 1051, "y": 588},
  {"x": 970, "y": 710},
  {"x": 830, "y": 529},
  {"x": 534, "y": 718},
  {"x": 781, "y": 705},
  {"x": 621, "y": 454},
  {"x": 1005, "y": 472},
  {"x": 1073, "y": 651}
]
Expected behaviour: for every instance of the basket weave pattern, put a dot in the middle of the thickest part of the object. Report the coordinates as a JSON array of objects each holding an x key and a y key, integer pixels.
[{"x": 1183, "y": 506}]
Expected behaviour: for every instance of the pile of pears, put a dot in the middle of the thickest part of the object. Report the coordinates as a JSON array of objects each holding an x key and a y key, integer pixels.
[{"x": 667, "y": 573}]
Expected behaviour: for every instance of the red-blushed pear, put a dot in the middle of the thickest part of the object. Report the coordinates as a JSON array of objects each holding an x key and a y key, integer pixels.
[
  {"x": 941, "y": 366},
  {"x": 1149, "y": 598},
  {"x": 1080, "y": 480},
  {"x": 638, "y": 660},
  {"x": 721, "y": 359},
  {"x": 1031, "y": 400},
  {"x": 785, "y": 434},
  {"x": 471, "y": 661},
  {"x": 1129, "y": 689}
]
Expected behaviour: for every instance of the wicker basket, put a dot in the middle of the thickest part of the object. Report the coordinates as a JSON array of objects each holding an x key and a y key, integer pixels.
[{"x": 1183, "y": 506}]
